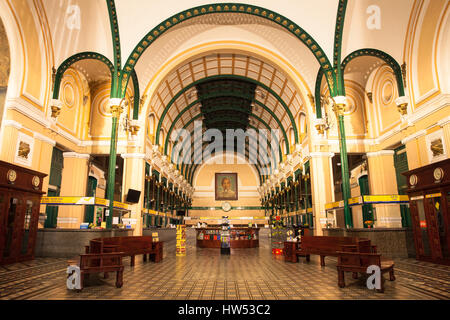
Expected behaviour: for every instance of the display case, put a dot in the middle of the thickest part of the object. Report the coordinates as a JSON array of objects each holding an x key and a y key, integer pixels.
[
  {"x": 20, "y": 194},
  {"x": 239, "y": 237}
]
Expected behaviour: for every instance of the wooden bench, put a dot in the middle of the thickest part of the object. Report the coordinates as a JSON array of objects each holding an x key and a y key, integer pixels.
[
  {"x": 100, "y": 262},
  {"x": 358, "y": 262},
  {"x": 324, "y": 246},
  {"x": 129, "y": 246}
]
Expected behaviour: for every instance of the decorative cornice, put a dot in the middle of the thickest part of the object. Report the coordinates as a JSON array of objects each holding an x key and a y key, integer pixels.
[
  {"x": 416, "y": 135},
  {"x": 43, "y": 138},
  {"x": 76, "y": 155},
  {"x": 22, "y": 106},
  {"x": 321, "y": 154},
  {"x": 380, "y": 153},
  {"x": 444, "y": 122},
  {"x": 12, "y": 123},
  {"x": 133, "y": 155}
]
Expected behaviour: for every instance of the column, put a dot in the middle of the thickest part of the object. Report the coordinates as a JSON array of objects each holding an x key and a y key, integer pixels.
[
  {"x": 382, "y": 181},
  {"x": 74, "y": 181},
  {"x": 44, "y": 146},
  {"x": 134, "y": 178},
  {"x": 415, "y": 146},
  {"x": 9, "y": 140},
  {"x": 322, "y": 186},
  {"x": 445, "y": 125}
]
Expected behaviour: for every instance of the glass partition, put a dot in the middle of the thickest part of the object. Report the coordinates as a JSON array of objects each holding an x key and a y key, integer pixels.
[
  {"x": 13, "y": 202},
  {"x": 423, "y": 227},
  {"x": 26, "y": 226}
]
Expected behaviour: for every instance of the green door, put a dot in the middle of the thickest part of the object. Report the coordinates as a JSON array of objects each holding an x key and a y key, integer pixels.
[
  {"x": 55, "y": 181},
  {"x": 89, "y": 211},
  {"x": 401, "y": 165},
  {"x": 366, "y": 208},
  {"x": 51, "y": 211}
]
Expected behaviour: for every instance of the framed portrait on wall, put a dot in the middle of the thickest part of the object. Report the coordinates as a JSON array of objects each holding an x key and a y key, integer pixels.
[{"x": 226, "y": 186}]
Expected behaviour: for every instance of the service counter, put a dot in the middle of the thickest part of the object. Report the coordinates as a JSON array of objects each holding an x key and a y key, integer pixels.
[{"x": 240, "y": 237}]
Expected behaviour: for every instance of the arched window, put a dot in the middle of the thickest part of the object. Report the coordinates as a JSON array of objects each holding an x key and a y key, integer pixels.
[
  {"x": 151, "y": 124},
  {"x": 291, "y": 136},
  {"x": 302, "y": 126},
  {"x": 162, "y": 137},
  {"x": 302, "y": 123}
]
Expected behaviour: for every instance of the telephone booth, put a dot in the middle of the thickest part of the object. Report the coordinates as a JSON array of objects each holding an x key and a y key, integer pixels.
[
  {"x": 429, "y": 201},
  {"x": 20, "y": 195}
]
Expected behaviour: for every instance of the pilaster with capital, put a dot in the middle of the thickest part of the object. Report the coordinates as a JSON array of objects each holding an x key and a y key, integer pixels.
[
  {"x": 382, "y": 181},
  {"x": 73, "y": 183},
  {"x": 134, "y": 178},
  {"x": 322, "y": 186}
]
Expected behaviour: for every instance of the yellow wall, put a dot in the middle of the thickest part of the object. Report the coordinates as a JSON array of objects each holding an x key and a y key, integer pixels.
[{"x": 247, "y": 193}]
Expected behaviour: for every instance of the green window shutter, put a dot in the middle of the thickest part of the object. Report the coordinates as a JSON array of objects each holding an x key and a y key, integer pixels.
[{"x": 401, "y": 165}]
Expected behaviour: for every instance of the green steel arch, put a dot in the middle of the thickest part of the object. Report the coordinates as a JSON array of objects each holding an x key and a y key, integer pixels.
[
  {"x": 228, "y": 8},
  {"x": 235, "y": 95},
  {"x": 253, "y": 115},
  {"x": 383, "y": 56},
  {"x": 175, "y": 97},
  {"x": 193, "y": 167},
  {"x": 192, "y": 153},
  {"x": 75, "y": 58}
]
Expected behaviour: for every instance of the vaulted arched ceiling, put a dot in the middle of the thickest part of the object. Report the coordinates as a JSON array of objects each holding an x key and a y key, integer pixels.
[{"x": 226, "y": 91}]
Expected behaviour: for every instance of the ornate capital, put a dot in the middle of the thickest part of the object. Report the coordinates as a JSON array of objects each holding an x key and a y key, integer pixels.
[
  {"x": 339, "y": 105},
  {"x": 402, "y": 105},
  {"x": 56, "y": 106},
  {"x": 115, "y": 107},
  {"x": 320, "y": 125}
]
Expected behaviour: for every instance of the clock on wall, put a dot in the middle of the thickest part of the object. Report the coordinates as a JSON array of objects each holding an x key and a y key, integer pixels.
[
  {"x": 11, "y": 175},
  {"x": 35, "y": 181},
  {"x": 226, "y": 206}
]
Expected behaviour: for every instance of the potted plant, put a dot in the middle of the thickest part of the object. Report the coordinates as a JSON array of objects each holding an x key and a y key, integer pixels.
[{"x": 369, "y": 223}]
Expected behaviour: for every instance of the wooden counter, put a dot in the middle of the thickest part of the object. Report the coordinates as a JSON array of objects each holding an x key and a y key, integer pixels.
[{"x": 239, "y": 237}]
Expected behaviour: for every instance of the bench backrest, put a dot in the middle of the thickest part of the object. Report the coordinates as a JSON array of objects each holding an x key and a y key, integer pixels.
[
  {"x": 95, "y": 246},
  {"x": 326, "y": 243},
  {"x": 358, "y": 259},
  {"x": 125, "y": 244}
]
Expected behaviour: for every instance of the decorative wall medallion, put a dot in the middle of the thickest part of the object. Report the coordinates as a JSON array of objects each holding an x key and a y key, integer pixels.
[
  {"x": 438, "y": 174},
  {"x": 11, "y": 175},
  {"x": 36, "y": 181},
  {"x": 413, "y": 180}
]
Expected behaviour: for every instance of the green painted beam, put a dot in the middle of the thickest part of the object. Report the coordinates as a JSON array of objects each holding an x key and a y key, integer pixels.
[
  {"x": 253, "y": 115},
  {"x": 184, "y": 143},
  {"x": 192, "y": 165},
  {"x": 205, "y": 143},
  {"x": 236, "y": 94},
  {"x": 180, "y": 114}
]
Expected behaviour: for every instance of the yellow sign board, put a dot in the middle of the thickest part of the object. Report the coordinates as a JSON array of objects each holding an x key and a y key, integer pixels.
[
  {"x": 433, "y": 195},
  {"x": 386, "y": 198},
  {"x": 78, "y": 201}
]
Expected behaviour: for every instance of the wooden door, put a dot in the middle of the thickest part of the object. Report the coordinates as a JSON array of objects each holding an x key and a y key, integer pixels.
[
  {"x": 30, "y": 227},
  {"x": 432, "y": 211},
  {"x": 445, "y": 240},
  {"x": 15, "y": 214},
  {"x": 419, "y": 226},
  {"x": 4, "y": 200}
]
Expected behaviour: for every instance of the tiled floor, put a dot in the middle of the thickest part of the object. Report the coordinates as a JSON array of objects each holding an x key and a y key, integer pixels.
[{"x": 205, "y": 274}]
